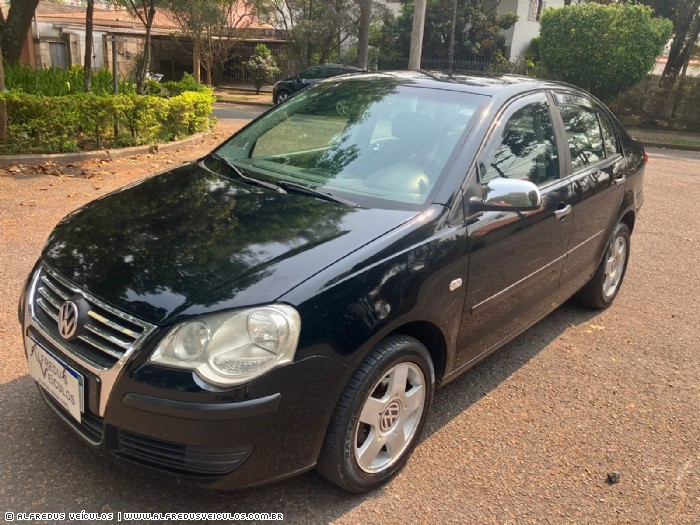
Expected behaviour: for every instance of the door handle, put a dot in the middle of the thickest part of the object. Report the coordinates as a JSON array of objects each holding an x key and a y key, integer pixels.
[
  {"x": 561, "y": 213},
  {"x": 619, "y": 181}
]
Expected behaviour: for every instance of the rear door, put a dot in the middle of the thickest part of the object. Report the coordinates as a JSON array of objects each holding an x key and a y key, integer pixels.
[
  {"x": 515, "y": 259},
  {"x": 595, "y": 167}
]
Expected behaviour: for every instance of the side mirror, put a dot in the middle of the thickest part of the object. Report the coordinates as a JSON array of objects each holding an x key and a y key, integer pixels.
[{"x": 507, "y": 195}]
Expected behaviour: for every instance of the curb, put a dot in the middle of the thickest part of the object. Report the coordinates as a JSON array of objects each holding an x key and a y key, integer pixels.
[
  {"x": 661, "y": 145},
  {"x": 38, "y": 158},
  {"x": 245, "y": 103}
]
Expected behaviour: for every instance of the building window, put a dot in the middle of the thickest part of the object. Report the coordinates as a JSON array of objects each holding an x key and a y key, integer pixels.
[{"x": 536, "y": 8}]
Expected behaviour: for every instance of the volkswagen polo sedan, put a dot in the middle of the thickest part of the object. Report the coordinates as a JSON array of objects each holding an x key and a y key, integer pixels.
[{"x": 293, "y": 299}]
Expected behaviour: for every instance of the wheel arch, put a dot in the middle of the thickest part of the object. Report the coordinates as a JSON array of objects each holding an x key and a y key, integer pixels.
[
  {"x": 629, "y": 219},
  {"x": 432, "y": 338}
]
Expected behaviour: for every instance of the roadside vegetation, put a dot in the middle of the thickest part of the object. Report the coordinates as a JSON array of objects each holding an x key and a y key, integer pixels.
[
  {"x": 49, "y": 111},
  {"x": 616, "y": 64},
  {"x": 607, "y": 48}
]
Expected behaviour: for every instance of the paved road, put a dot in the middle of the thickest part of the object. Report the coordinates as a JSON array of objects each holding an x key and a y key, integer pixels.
[
  {"x": 528, "y": 436},
  {"x": 226, "y": 111}
]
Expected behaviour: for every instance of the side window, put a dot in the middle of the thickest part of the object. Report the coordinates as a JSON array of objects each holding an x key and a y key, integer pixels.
[
  {"x": 526, "y": 147},
  {"x": 311, "y": 73},
  {"x": 609, "y": 137},
  {"x": 583, "y": 134},
  {"x": 328, "y": 72}
]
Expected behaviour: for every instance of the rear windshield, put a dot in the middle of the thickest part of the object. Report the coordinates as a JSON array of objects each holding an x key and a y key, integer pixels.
[{"x": 374, "y": 141}]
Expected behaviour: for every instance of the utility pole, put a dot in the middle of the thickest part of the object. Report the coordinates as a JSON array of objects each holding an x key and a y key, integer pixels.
[
  {"x": 365, "y": 11},
  {"x": 417, "y": 35}
]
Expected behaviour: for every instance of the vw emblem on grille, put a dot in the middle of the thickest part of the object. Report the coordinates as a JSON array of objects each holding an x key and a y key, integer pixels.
[
  {"x": 390, "y": 416},
  {"x": 68, "y": 320}
]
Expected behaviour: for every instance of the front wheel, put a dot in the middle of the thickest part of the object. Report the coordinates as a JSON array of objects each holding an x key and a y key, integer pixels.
[
  {"x": 380, "y": 415},
  {"x": 600, "y": 291},
  {"x": 281, "y": 96}
]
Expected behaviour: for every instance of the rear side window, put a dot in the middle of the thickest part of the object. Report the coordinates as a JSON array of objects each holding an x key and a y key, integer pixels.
[
  {"x": 609, "y": 137},
  {"x": 583, "y": 135}
]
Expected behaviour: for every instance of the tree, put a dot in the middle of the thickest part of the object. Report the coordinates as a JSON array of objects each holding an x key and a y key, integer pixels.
[
  {"x": 16, "y": 27},
  {"x": 685, "y": 15},
  {"x": 145, "y": 11},
  {"x": 261, "y": 66},
  {"x": 575, "y": 49},
  {"x": 87, "y": 63},
  {"x": 478, "y": 35},
  {"x": 213, "y": 26},
  {"x": 686, "y": 29},
  {"x": 316, "y": 28}
]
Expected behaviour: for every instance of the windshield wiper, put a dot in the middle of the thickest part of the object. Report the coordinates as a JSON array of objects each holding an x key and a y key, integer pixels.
[
  {"x": 293, "y": 187},
  {"x": 245, "y": 178}
]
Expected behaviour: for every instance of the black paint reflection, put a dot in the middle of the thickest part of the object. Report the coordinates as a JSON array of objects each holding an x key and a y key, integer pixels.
[{"x": 178, "y": 237}]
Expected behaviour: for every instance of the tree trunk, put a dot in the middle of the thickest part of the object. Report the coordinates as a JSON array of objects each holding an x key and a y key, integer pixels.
[
  {"x": 197, "y": 60},
  {"x": 686, "y": 27},
  {"x": 365, "y": 12},
  {"x": 146, "y": 63},
  {"x": 451, "y": 43},
  {"x": 87, "y": 63},
  {"x": 14, "y": 32},
  {"x": 3, "y": 103}
]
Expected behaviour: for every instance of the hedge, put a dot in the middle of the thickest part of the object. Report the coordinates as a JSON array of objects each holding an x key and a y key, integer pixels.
[{"x": 86, "y": 121}]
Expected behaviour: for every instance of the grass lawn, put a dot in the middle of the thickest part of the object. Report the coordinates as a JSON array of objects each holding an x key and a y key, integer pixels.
[{"x": 668, "y": 139}]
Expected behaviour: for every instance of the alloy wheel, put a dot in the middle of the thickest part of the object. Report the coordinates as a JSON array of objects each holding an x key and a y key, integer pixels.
[{"x": 390, "y": 417}]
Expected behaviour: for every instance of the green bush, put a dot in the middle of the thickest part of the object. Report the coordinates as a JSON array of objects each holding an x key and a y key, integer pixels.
[
  {"x": 187, "y": 83},
  {"x": 651, "y": 105},
  {"x": 605, "y": 49},
  {"x": 57, "y": 82},
  {"x": 85, "y": 121}
]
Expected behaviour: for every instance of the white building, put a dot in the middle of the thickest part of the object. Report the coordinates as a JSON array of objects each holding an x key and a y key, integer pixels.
[{"x": 527, "y": 27}]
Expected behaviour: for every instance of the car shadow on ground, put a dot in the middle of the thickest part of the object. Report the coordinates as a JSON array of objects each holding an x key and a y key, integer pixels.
[{"x": 47, "y": 468}]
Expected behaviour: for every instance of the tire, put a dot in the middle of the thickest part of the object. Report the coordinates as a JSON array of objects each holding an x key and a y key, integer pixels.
[
  {"x": 378, "y": 420},
  {"x": 281, "y": 96},
  {"x": 601, "y": 290}
]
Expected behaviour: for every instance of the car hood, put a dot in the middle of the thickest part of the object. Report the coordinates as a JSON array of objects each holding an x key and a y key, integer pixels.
[{"x": 190, "y": 241}]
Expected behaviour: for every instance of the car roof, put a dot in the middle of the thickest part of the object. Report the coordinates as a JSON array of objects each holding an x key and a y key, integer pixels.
[
  {"x": 489, "y": 84},
  {"x": 335, "y": 65}
]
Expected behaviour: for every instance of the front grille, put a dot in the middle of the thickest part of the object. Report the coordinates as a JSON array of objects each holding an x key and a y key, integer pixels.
[
  {"x": 109, "y": 333},
  {"x": 91, "y": 427},
  {"x": 178, "y": 458}
]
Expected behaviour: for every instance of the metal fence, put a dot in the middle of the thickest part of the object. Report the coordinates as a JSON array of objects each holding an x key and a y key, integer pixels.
[
  {"x": 234, "y": 70},
  {"x": 440, "y": 64}
]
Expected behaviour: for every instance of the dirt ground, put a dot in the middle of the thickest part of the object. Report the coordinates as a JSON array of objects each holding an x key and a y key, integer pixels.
[{"x": 528, "y": 436}]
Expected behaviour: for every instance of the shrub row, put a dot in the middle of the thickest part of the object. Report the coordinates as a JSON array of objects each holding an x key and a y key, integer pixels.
[
  {"x": 86, "y": 121},
  {"x": 58, "y": 82},
  {"x": 650, "y": 105}
]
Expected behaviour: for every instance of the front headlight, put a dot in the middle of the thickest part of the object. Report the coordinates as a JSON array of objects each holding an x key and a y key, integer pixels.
[{"x": 231, "y": 348}]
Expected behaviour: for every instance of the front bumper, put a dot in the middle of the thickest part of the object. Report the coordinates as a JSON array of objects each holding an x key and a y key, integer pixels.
[{"x": 164, "y": 420}]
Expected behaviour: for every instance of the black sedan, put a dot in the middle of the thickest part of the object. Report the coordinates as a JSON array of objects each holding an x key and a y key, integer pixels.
[
  {"x": 287, "y": 87},
  {"x": 292, "y": 300}
]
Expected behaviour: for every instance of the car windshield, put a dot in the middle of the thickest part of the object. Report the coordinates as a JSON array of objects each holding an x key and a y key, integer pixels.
[{"x": 378, "y": 141}]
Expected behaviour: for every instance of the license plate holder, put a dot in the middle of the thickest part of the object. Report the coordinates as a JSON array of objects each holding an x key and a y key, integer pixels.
[{"x": 58, "y": 379}]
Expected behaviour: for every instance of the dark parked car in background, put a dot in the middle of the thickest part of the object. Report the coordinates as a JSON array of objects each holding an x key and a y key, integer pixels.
[
  {"x": 293, "y": 299},
  {"x": 287, "y": 87}
]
